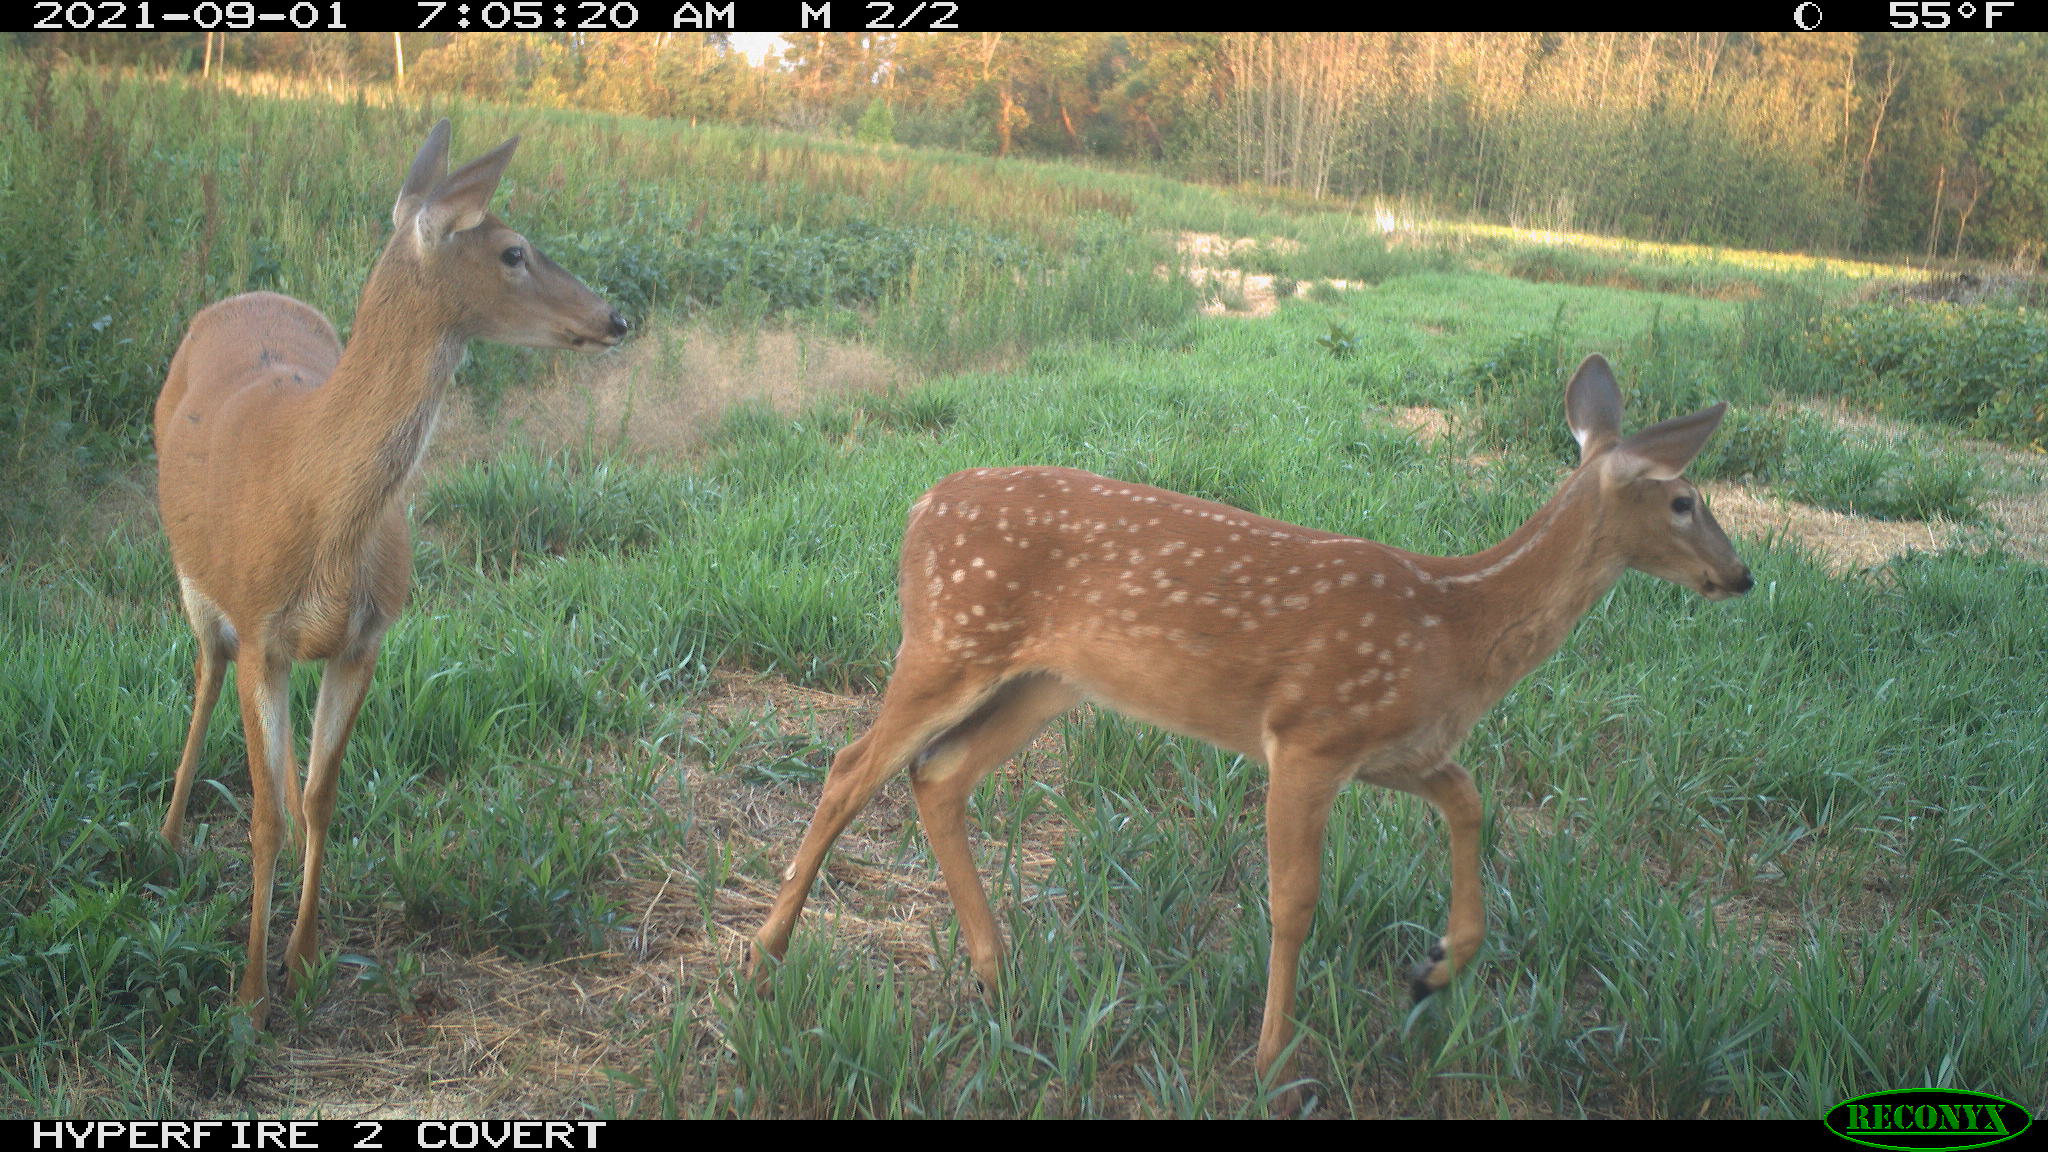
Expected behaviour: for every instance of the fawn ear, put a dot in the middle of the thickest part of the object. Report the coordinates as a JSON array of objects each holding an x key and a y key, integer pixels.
[
  {"x": 1662, "y": 451},
  {"x": 429, "y": 167},
  {"x": 1592, "y": 406},
  {"x": 460, "y": 202}
]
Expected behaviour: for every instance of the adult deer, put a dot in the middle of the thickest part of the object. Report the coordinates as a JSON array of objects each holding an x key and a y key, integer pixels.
[
  {"x": 284, "y": 463},
  {"x": 1327, "y": 658}
]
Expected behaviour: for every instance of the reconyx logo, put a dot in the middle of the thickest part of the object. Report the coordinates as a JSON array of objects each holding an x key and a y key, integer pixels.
[{"x": 1923, "y": 1119}]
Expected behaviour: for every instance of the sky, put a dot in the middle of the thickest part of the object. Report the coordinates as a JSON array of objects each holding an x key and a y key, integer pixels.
[{"x": 756, "y": 44}]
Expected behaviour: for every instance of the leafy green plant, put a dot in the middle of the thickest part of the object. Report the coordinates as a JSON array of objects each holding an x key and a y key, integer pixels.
[
  {"x": 504, "y": 863},
  {"x": 1341, "y": 342},
  {"x": 1982, "y": 368}
]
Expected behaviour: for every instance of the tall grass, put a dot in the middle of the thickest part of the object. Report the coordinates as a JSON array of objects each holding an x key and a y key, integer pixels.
[{"x": 1740, "y": 859}]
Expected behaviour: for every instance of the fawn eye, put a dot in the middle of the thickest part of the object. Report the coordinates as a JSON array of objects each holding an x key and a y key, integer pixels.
[
  {"x": 1682, "y": 505},
  {"x": 513, "y": 256}
]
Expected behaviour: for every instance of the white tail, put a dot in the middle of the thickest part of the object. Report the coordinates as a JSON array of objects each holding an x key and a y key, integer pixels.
[
  {"x": 284, "y": 463},
  {"x": 1326, "y": 658}
]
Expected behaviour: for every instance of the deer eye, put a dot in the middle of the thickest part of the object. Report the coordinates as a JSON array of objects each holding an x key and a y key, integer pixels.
[
  {"x": 513, "y": 256},
  {"x": 1682, "y": 505}
]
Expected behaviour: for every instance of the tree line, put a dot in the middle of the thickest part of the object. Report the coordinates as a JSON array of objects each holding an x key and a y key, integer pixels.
[{"x": 1935, "y": 147}]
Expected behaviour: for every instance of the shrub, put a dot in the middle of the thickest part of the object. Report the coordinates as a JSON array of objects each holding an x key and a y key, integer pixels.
[{"x": 1981, "y": 368}]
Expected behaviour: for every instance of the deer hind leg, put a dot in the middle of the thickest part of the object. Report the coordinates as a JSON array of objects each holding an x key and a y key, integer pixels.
[
  {"x": 1298, "y": 798},
  {"x": 209, "y": 670},
  {"x": 944, "y": 777},
  {"x": 1450, "y": 789},
  {"x": 920, "y": 703},
  {"x": 264, "y": 687},
  {"x": 343, "y": 685}
]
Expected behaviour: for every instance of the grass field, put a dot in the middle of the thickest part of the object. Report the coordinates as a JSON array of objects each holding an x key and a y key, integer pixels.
[{"x": 1742, "y": 859}]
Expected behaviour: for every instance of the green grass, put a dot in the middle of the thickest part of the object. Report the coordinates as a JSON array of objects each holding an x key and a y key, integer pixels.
[{"x": 1741, "y": 859}]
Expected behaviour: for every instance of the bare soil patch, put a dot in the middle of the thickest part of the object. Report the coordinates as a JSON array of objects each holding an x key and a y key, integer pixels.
[
  {"x": 1848, "y": 543},
  {"x": 1967, "y": 288},
  {"x": 1428, "y": 424},
  {"x": 1231, "y": 291},
  {"x": 2017, "y": 504}
]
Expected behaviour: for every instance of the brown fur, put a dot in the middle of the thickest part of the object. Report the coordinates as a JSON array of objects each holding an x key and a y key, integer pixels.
[
  {"x": 284, "y": 462},
  {"x": 1324, "y": 657}
]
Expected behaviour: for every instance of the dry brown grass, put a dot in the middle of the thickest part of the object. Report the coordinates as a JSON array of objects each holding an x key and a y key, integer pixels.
[
  {"x": 488, "y": 1036},
  {"x": 660, "y": 394}
]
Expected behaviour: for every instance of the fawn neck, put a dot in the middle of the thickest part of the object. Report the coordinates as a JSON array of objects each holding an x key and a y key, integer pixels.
[{"x": 1522, "y": 597}]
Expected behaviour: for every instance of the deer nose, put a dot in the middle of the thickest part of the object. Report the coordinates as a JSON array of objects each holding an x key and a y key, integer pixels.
[
  {"x": 618, "y": 325},
  {"x": 1745, "y": 584}
]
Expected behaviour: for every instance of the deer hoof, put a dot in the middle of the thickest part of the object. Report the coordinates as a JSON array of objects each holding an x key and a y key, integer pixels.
[{"x": 1418, "y": 977}]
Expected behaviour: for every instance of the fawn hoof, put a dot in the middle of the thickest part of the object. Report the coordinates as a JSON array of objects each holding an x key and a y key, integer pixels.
[{"x": 1418, "y": 977}]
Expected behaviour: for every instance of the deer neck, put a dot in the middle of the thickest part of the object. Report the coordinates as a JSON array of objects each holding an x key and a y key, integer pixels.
[
  {"x": 375, "y": 414},
  {"x": 1524, "y": 595}
]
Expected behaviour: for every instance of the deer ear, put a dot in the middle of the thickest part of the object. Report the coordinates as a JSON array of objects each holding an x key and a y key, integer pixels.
[
  {"x": 429, "y": 167},
  {"x": 1592, "y": 406},
  {"x": 1662, "y": 451},
  {"x": 460, "y": 202}
]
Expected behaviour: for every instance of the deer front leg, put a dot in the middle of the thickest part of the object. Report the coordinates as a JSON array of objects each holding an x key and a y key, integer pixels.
[
  {"x": 343, "y": 685},
  {"x": 1450, "y": 789},
  {"x": 264, "y": 686}
]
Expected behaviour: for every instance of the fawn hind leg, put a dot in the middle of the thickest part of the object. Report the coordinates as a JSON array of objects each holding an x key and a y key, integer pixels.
[
  {"x": 944, "y": 777},
  {"x": 1300, "y": 789},
  {"x": 919, "y": 704}
]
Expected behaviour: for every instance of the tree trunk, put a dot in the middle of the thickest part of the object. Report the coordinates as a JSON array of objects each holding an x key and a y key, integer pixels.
[
  {"x": 1884, "y": 102},
  {"x": 1934, "y": 225}
]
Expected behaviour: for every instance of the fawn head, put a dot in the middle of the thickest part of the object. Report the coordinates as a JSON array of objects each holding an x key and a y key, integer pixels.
[{"x": 1658, "y": 519}]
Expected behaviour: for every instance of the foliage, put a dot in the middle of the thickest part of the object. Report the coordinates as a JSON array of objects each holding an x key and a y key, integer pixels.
[
  {"x": 1342, "y": 342},
  {"x": 1674, "y": 372},
  {"x": 1981, "y": 368},
  {"x": 1889, "y": 140},
  {"x": 877, "y": 125}
]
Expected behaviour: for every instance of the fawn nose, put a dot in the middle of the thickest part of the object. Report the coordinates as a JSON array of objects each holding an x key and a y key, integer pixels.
[{"x": 1745, "y": 584}]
